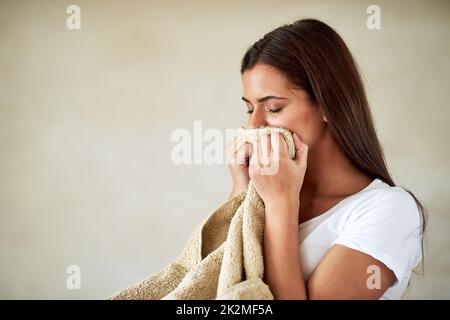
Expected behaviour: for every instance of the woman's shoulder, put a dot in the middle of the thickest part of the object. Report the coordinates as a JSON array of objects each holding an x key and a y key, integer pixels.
[
  {"x": 379, "y": 191},
  {"x": 379, "y": 200}
]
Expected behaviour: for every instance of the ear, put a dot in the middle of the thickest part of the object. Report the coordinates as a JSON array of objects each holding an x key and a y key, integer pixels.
[{"x": 323, "y": 115}]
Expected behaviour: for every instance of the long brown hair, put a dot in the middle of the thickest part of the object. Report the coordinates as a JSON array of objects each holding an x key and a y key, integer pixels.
[{"x": 315, "y": 58}]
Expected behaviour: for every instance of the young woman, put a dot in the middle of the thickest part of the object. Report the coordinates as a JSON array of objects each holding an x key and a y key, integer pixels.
[{"x": 336, "y": 226}]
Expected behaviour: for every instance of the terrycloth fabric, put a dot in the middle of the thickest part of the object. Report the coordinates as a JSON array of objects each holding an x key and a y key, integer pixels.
[{"x": 223, "y": 259}]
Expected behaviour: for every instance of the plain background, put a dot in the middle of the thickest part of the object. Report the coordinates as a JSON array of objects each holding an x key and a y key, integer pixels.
[{"x": 86, "y": 117}]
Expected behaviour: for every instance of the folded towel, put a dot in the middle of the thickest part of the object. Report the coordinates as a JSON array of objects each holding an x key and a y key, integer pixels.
[{"x": 223, "y": 259}]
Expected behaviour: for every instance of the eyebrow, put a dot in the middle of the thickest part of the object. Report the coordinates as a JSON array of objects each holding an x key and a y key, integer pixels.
[{"x": 265, "y": 98}]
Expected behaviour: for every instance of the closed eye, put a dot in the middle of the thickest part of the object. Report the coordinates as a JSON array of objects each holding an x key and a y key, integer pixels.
[{"x": 274, "y": 110}]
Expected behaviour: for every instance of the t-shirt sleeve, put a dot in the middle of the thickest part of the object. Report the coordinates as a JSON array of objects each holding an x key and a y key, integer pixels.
[{"x": 388, "y": 228}]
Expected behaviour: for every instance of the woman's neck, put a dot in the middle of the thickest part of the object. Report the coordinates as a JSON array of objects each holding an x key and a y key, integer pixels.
[{"x": 330, "y": 173}]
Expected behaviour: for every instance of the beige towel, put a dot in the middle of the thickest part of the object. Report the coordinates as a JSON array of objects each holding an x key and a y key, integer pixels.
[{"x": 223, "y": 259}]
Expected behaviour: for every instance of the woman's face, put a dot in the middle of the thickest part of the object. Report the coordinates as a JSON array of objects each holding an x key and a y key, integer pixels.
[{"x": 272, "y": 101}]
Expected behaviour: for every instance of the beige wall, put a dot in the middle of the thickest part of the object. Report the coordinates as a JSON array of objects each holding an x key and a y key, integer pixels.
[{"x": 86, "y": 118}]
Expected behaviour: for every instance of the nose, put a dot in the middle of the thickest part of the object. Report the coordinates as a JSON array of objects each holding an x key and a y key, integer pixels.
[{"x": 257, "y": 119}]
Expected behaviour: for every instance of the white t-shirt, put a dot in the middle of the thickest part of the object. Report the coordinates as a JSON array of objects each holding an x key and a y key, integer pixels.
[{"x": 380, "y": 220}]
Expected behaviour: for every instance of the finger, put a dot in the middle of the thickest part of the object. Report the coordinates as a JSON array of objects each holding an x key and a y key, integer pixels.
[
  {"x": 239, "y": 142},
  {"x": 247, "y": 152},
  {"x": 234, "y": 151},
  {"x": 304, "y": 154},
  {"x": 301, "y": 149},
  {"x": 279, "y": 146},
  {"x": 298, "y": 145},
  {"x": 265, "y": 149},
  {"x": 254, "y": 150}
]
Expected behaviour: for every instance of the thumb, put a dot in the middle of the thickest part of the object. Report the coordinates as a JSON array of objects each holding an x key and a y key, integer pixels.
[
  {"x": 251, "y": 152},
  {"x": 301, "y": 149}
]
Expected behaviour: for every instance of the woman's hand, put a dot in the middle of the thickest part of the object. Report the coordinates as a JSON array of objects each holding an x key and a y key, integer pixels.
[
  {"x": 277, "y": 178},
  {"x": 238, "y": 153}
]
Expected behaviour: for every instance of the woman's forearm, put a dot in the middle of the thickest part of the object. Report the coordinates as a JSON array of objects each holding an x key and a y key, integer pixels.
[{"x": 283, "y": 271}]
